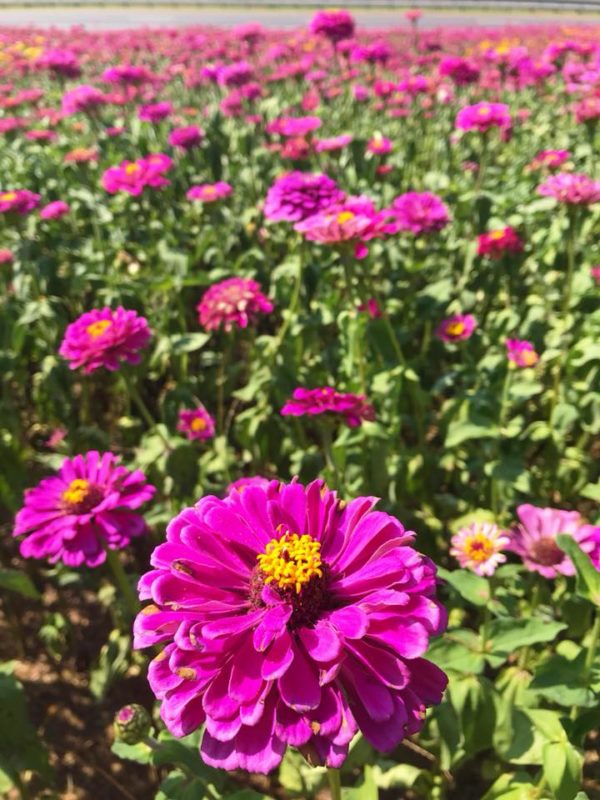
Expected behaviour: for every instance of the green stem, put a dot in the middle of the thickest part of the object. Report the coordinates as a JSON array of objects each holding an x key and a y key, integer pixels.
[
  {"x": 329, "y": 457},
  {"x": 335, "y": 783},
  {"x": 356, "y": 343},
  {"x": 592, "y": 648},
  {"x": 122, "y": 581},
  {"x": 290, "y": 314},
  {"x": 143, "y": 408},
  {"x": 494, "y": 484}
]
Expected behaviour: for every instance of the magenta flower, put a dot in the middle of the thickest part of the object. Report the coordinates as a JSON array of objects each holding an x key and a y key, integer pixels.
[
  {"x": 155, "y": 112},
  {"x": 456, "y": 328},
  {"x": 420, "y": 212},
  {"x": 483, "y": 116},
  {"x": 127, "y": 74},
  {"x": 209, "y": 192},
  {"x": 75, "y": 516},
  {"x": 379, "y": 145},
  {"x": 187, "y": 137},
  {"x": 105, "y": 338},
  {"x": 297, "y": 195},
  {"x": 196, "y": 423},
  {"x": 244, "y": 483},
  {"x": 55, "y": 210},
  {"x": 353, "y": 408},
  {"x": 234, "y": 302},
  {"x": 534, "y": 540},
  {"x": 82, "y": 98},
  {"x": 461, "y": 71},
  {"x": 333, "y": 143},
  {"x": 571, "y": 188},
  {"x": 134, "y": 176},
  {"x": 235, "y": 75},
  {"x": 551, "y": 159},
  {"x": 294, "y": 126},
  {"x": 290, "y": 618},
  {"x": 60, "y": 62},
  {"x": 335, "y": 24},
  {"x": 521, "y": 353},
  {"x": 479, "y": 548},
  {"x": 495, "y": 244},
  {"x": 18, "y": 201},
  {"x": 6, "y": 256}
]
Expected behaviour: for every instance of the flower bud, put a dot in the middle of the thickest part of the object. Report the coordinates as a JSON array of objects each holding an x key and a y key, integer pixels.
[{"x": 132, "y": 724}]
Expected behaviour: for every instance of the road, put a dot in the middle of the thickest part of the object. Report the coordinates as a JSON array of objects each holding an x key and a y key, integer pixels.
[{"x": 112, "y": 17}]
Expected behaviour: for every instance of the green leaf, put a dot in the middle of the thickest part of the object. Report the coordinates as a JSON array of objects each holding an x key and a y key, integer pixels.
[
  {"x": 460, "y": 431},
  {"x": 140, "y": 752},
  {"x": 561, "y": 680},
  {"x": 511, "y": 786},
  {"x": 507, "y": 635},
  {"x": 591, "y": 491},
  {"x": 471, "y": 587},
  {"x": 588, "y": 577},
  {"x": 16, "y": 581},
  {"x": 112, "y": 663},
  {"x": 366, "y": 789},
  {"x": 458, "y": 651},
  {"x": 562, "y": 769}
]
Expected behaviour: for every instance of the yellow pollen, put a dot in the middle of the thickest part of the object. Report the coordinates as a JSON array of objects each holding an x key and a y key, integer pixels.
[
  {"x": 8, "y": 197},
  {"x": 495, "y": 235},
  {"x": 131, "y": 168},
  {"x": 484, "y": 111},
  {"x": 455, "y": 328},
  {"x": 291, "y": 561},
  {"x": 198, "y": 424},
  {"x": 345, "y": 216},
  {"x": 77, "y": 492},
  {"x": 97, "y": 328},
  {"x": 530, "y": 357},
  {"x": 478, "y": 547}
]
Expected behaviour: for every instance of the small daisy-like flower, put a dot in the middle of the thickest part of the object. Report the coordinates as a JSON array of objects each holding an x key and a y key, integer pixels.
[
  {"x": 456, "y": 328},
  {"x": 479, "y": 547},
  {"x": 105, "y": 338},
  {"x": 234, "y": 302},
  {"x": 196, "y": 423},
  {"x": 521, "y": 353}
]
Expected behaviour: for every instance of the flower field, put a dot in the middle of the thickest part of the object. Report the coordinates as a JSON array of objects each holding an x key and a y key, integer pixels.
[{"x": 300, "y": 413}]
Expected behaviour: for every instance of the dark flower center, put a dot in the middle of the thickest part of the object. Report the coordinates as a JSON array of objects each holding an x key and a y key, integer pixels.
[{"x": 546, "y": 552}]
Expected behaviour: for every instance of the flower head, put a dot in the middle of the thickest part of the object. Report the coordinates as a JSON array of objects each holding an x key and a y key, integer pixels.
[
  {"x": 86, "y": 508},
  {"x": 187, "y": 137},
  {"x": 243, "y": 483},
  {"x": 355, "y": 220},
  {"x": 461, "y": 71},
  {"x": 334, "y": 23},
  {"x": 571, "y": 188},
  {"x": 297, "y": 195},
  {"x": 294, "y": 126},
  {"x": 209, "y": 192},
  {"x": 18, "y": 201},
  {"x": 495, "y": 244},
  {"x": 483, "y": 116},
  {"x": 379, "y": 145},
  {"x": 60, "y": 62},
  {"x": 155, "y": 112},
  {"x": 456, "y": 328},
  {"x": 196, "y": 423},
  {"x": 521, "y": 353},
  {"x": 478, "y": 547},
  {"x": 82, "y": 98},
  {"x": 550, "y": 159},
  {"x": 535, "y": 539},
  {"x": 352, "y": 408},
  {"x": 290, "y": 618},
  {"x": 134, "y": 176},
  {"x": 420, "y": 212},
  {"x": 234, "y": 302},
  {"x": 104, "y": 338},
  {"x": 55, "y": 210}
]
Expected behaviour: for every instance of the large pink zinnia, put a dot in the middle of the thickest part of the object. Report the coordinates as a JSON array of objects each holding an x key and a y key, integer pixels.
[
  {"x": 298, "y": 195},
  {"x": 290, "y": 617},
  {"x": 353, "y": 408},
  {"x": 85, "y": 509},
  {"x": 535, "y": 539},
  {"x": 333, "y": 23},
  {"x": 420, "y": 212},
  {"x": 571, "y": 188},
  {"x": 105, "y": 338},
  {"x": 234, "y": 302}
]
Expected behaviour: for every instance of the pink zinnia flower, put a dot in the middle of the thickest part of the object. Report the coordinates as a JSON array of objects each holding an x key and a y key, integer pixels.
[
  {"x": 595, "y": 273},
  {"x": 571, "y": 188},
  {"x": 243, "y": 483},
  {"x": 6, "y": 256},
  {"x": 294, "y": 126},
  {"x": 209, "y": 192},
  {"x": 479, "y": 548},
  {"x": 413, "y": 14},
  {"x": 456, "y": 328},
  {"x": 335, "y": 24},
  {"x": 289, "y": 618},
  {"x": 55, "y": 210},
  {"x": 237, "y": 74},
  {"x": 495, "y": 244},
  {"x": 234, "y": 302},
  {"x": 196, "y": 423},
  {"x": 521, "y": 353},
  {"x": 333, "y": 143},
  {"x": 187, "y": 137},
  {"x": 18, "y": 201},
  {"x": 379, "y": 145},
  {"x": 353, "y": 408},
  {"x": 535, "y": 539},
  {"x": 82, "y": 98},
  {"x": 551, "y": 159},
  {"x": 461, "y": 71},
  {"x": 105, "y": 338},
  {"x": 60, "y": 62},
  {"x": 84, "y": 510},
  {"x": 127, "y": 74},
  {"x": 134, "y": 176},
  {"x": 420, "y": 212},
  {"x": 298, "y": 195},
  {"x": 155, "y": 112},
  {"x": 483, "y": 116}
]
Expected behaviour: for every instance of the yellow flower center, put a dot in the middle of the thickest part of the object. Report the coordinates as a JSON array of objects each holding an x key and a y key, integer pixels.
[
  {"x": 97, "y": 328},
  {"x": 8, "y": 197},
  {"x": 198, "y": 424},
  {"x": 209, "y": 191},
  {"x": 345, "y": 216},
  {"x": 529, "y": 357},
  {"x": 455, "y": 328},
  {"x": 484, "y": 111},
  {"x": 77, "y": 492},
  {"x": 291, "y": 561},
  {"x": 478, "y": 547},
  {"x": 495, "y": 235},
  {"x": 131, "y": 168}
]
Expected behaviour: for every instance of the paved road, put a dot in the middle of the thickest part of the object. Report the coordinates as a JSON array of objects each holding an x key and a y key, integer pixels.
[{"x": 123, "y": 17}]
